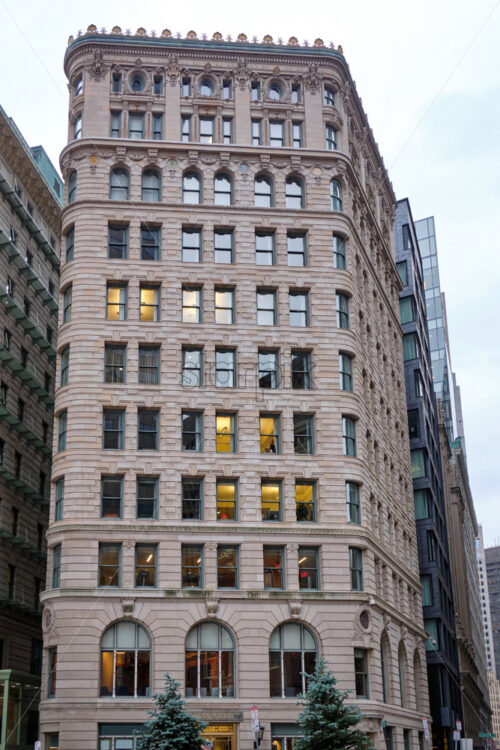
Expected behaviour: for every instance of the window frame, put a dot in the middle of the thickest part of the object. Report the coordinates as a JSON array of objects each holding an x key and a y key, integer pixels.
[
  {"x": 142, "y": 368},
  {"x": 364, "y": 674},
  {"x": 59, "y": 499},
  {"x": 198, "y": 549},
  {"x": 110, "y": 368},
  {"x": 232, "y": 381},
  {"x": 196, "y": 308},
  {"x": 231, "y": 434},
  {"x": 299, "y": 313},
  {"x": 236, "y": 567},
  {"x": 186, "y": 352},
  {"x": 119, "y": 432},
  {"x": 308, "y": 436},
  {"x": 342, "y": 307},
  {"x": 189, "y": 516},
  {"x": 151, "y": 193},
  {"x": 226, "y": 683},
  {"x": 349, "y": 443},
  {"x": 64, "y": 365},
  {"x": 353, "y": 502},
  {"x": 118, "y": 248},
  {"x": 222, "y": 251},
  {"x": 356, "y": 569},
  {"x": 280, "y": 567},
  {"x": 278, "y": 634},
  {"x": 221, "y": 503},
  {"x": 191, "y": 231},
  {"x": 109, "y": 546},
  {"x": 228, "y": 310},
  {"x": 141, "y": 547},
  {"x": 188, "y": 414},
  {"x": 346, "y": 372},
  {"x": 306, "y": 374},
  {"x": 273, "y": 294},
  {"x": 111, "y": 499},
  {"x": 121, "y": 305},
  {"x": 143, "y": 434},
  {"x": 304, "y": 549},
  {"x": 141, "y": 481},
  {"x": 278, "y": 515},
  {"x": 274, "y": 373}
]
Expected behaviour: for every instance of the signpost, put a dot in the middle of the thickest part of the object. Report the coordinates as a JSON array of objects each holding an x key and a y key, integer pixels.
[{"x": 254, "y": 713}]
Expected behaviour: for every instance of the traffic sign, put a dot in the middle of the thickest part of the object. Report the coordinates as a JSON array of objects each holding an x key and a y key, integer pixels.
[
  {"x": 456, "y": 735},
  {"x": 254, "y": 713},
  {"x": 426, "y": 729},
  {"x": 459, "y": 726}
]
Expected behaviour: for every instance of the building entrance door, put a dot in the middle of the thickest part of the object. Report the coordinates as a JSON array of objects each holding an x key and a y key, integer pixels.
[{"x": 222, "y": 736}]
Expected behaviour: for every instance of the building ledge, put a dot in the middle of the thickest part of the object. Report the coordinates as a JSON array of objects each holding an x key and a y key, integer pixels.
[
  {"x": 25, "y": 488},
  {"x": 27, "y": 271},
  {"x": 24, "y": 430},
  {"x": 26, "y": 324},
  {"x": 25, "y": 377},
  {"x": 18, "y": 545}
]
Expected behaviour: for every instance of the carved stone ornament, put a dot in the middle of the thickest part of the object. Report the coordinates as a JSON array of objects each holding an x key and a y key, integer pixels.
[
  {"x": 242, "y": 74},
  {"x": 212, "y": 607},
  {"x": 312, "y": 78},
  {"x": 295, "y": 608},
  {"x": 173, "y": 69},
  {"x": 98, "y": 68},
  {"x": 47, "y": 619},
  {"x": 128, "y": 607}
]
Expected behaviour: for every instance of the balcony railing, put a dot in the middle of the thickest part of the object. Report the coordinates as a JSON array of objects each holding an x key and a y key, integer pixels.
[
  {"x": 20, "y": 317},
  {"x": 24, "y": 268},
  {"x": 7, "y": 358},
  {"x": 24, "y": 430}
]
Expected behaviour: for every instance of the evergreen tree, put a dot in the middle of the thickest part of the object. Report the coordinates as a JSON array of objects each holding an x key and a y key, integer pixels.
[
  {"x": 328, "y": 723},
  {"x": 171, "y": 727}
]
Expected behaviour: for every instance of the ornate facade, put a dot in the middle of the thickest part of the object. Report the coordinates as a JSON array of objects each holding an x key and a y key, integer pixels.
[{"x": 231, "y": 430}]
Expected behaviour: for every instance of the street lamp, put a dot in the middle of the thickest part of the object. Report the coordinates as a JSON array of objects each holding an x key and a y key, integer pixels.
[{"x": 258, "y": 737}]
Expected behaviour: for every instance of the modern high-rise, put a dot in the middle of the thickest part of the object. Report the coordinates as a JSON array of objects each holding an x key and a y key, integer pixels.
[
  {"x": 485, "y": 605},
  {"x": 30, "y": 215},
  {"x": 231, "y": 493},
  {"x": 492, "y": 558},
  {"x": 430, "y": 512}
]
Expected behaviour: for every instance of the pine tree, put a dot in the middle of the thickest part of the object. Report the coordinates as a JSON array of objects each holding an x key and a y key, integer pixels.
[
  {"x": 171, "y": 727},
  {"x": 327, "y": 721}
]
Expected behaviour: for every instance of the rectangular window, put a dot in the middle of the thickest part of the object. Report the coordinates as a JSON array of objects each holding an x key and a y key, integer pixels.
[
  {"x": 270, "y": 433},
  {"x": 301, "y": 369},
  {"x": 264, "y": 248},
  {"x": 296, "y": 244},
  {"x": 339, "y": 252},
  {"x": 52, "y": 678},
  {"x": 59, "y": 500},
  {"x": 225, "y": 437},
  {"x": 224, "y": 306},
  {"x": 117, "y": 240},
  {"x": 11, "y": 581},
  {"x": 299, "y": 309},
  {"x": 70, "y": 245},
  {"x": 136, "y": 125},
  {"x": 303, "y": 433},
  {"x": 352, "y": 502},
  {"x": 223, "y": 246},
  {"x": 296, "y": 94},
  {"x": 255, "y": 91},
  {"x": 150, "y": 303},
  {"x": 113, "y": 423},
  {"x": 406, "y": 310},
  {"x": 192, "y": 566},
  {"x": 403, "y": 272},
  {"x": 269, "y": 374},
  {"x": 191, "y": 245},
  {"x": 274, "y": 567},
  {"x": 342, "y": 311},
  {"x": 157, "y": 126},
  {"x": 227, "y": 89},
  {"x": 361, "y": 672},
  {"x": 276, "y": 133},
  {"x": 192, "y": 431},
  {"x": 427, "y": 597},
  {"x": 225, "y": 368},
  {"x": 67, "y": 302},
  {"x": 191, "y": 304},
  {"x": 111, "y": 496},
  {"x": 110, "y": 564},
  {"x": 271, "y": 500},
  {"x": 157, "y": 85},
  {"x": 349, "y": 436},
  {"x": 186, "y": 129},
  {"x": 266, "y": 307},
  {"x": 297, "y": 134},
  {"x": 62, "y": 426},
  {"x": 421, "y": 500},
  {"x": 186, "y": 87},
  {"x": 56, "y": 566},
  {"x": 207, "y": 129},
  {"x": 356, "y": 568},
  {"x": 409, "y": 346},
  {"x": 227, "y": 567},
  {"x": 115, "y": 126},
  {"x": 308, "y": 568},
  {"x": 116, "y": 302},
  {"x": 147, "y": 497},
  {"x": 227, "y": 130},
  {"x": 192, "y": 498},
  {"x": 433, "y": 641},
  {"x": 116, "y": 83},
  {"x": 256, "y": 132},
  {"x": 431, "y": 546},
  {"x": 419, "y": 389},
  {"x": 148, "y": 421},
  {"x": 331, "y": 138},
  {"x": 115, "y": 357},
  {"x": 305, "y": 501},
  {"x": 150, "y": 242},
  {"x": 145, "y": 564},
  {"x": 227, "y": 500},
  {"x": 413, "y": 423},
  {"x": 192, "y": 367},
  {"x": 149, "y": 365},
  {"x": 418, "y": 463},
  {"x": 345, "y": 370}
]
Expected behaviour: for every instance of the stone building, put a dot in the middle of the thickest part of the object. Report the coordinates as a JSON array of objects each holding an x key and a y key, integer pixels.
[
  {"x": 30, "y": 216},
  {"x": 484, "y": 592},
  {"x": 430, "y": 511},
  {"x": 232, "y": 491},
  {"x": 492, "y": 559}
]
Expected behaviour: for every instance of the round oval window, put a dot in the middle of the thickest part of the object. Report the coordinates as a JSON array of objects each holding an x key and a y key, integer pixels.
[
  {"x": 206, "y": 87},
  {"x": 137, "y": 83},
  {"x": 275, "y": 92}
]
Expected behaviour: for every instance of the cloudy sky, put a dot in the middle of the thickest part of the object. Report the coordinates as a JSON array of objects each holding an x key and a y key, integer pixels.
[{"x": 429, "y": 76}]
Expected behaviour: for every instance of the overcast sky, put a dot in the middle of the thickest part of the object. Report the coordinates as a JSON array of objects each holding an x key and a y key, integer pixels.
[{"x": 429, "y": 76}]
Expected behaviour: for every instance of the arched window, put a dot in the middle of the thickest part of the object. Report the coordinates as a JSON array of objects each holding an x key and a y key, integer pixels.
[
  {"x": 385, "y": 667},
  {"x": 336, "y": 197},
  {"x": 191, "y": 188},
  {"x": 151, "y": 185},
  {"x": 77, "y": 127},
  {"x": 402, "y": 663},
  {"x": 223, "y": 189},
  {"x": 417, "y": 675},
  {"x": 119, "y": 184},
  {"x": 294, "y": 192},
  {"x": 125, "y": 661},
  {"x": 209, "y": 661},
  {"x": 72, "y": 187},
  {"x": 292, "y": 652},
  {"x": 263, "y": 191}
]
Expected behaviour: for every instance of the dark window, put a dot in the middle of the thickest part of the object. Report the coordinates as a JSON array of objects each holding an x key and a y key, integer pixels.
[
  {"x": 147, "y": 429},
  {"x": 361, "y": 672},
  {"x": 413, "y": 423},
  {"x": 113, "y": 428},
  {"x": 352, "y": 502},
  {"x": 111, "y": 497},
  {"x": 345, "y": 369},
  {"x": 149, "y": 365},
  {"x": 301, "y": 369},
  {"x": 70, "y": 244},
  {"x": 303, "y": 433},
  {"x": 292, "y": 656},
  {"x": 192, "y": 431},
  {"x": 114, "y": 363},
  {"x": 157, "y": 126},
  {"x": 118, "y": 241},
  {"x": 59, "y": 500},
  {"x": 192, "y": 498},
  {"x": 356, "y": 568},
  {"x": 150, "y": 242},
  {"x": 147, "y": 497},
  {"x": 151, "y": 186}
]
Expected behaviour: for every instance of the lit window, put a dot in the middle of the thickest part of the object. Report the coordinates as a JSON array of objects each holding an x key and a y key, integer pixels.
[
  {"x": 207, "y": 129},
  {"x": 339, "y": 252},
  {"x": 147, "y": 497},
  {"x": 149, "y": 365},
  {"x": 125, "y": 664},
  {"x": 336, "y": 199},
  {"x": 276, "y": 133},
  {"x": 269, "y": 433},
  {"x": 191, "y": 245},
  {"x": 308, "y": 568},
  {"x": 227, "y": 500},
  {"x": 349, "y": 436},
  {"x": 117, "y": 240},
  {"x": 119, "y": 184},
  {"x": 150, "y": 303},
  {"x": 266, "y": 307},
  {"x": 343, "y": 319},
  {"x": 356, "y": 568},
  {"x": 145, "y": 564},
  {"x": 192, "y": 566},
  {"x": 191, "y": 188},
  {"x": 227, "y": 567},
  {"x": 136, "y": 125},
  {"x": 269, "y": 375},
  {"x": 113, "y": 428},
  {"x": 294, "y": 193},
  {"x": 225, "y": 433},
  {"x": 151, "y": 186},
  {"x": 192, "y": 431},
  {"x": 264, "y": 248},
  {"x": 296, "y": 246},
  {"x": 352, "y": 502},
  {"x": 331, "y": 138},
  {"x": 148, "y": 421},
  {"x": 109, "y": 564},
  {"x": 303, "y": 433},
  {"x": 65, "y": 365},
  {"x": 62, "y": 426},
  {"x": 192, "y": 367},
  {"x": 114, "y": 363},
  {"x": 292, "y": 656},
  {"x": 191, "y": 305},
  {"x": 299, "y": 308},
  {"x": 305, "y": 501},
  {"x": 274, "y": 567},
  {"x": 192, "y": 498},
  {"x": 361, "y": 672},
  {"x": 225, "y": 368},
  {"x": 263, "y": 191},
  {"x": 271, "y": 500},
  {"x": 116, "y": 302},
  {"x": 59, "y": 500},
  {"x": 223, "y": 189},
  {"x": 209, "y": 662},
  {"x": 111, "y": 496},
  {"x": 224, "y": 306},
  {"x": 223, "y": 246},
  {"x": 345, "y": 370}
]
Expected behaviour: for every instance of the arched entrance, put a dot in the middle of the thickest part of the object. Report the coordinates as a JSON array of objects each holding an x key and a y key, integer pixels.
[{"x": 222, "y": 736}]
